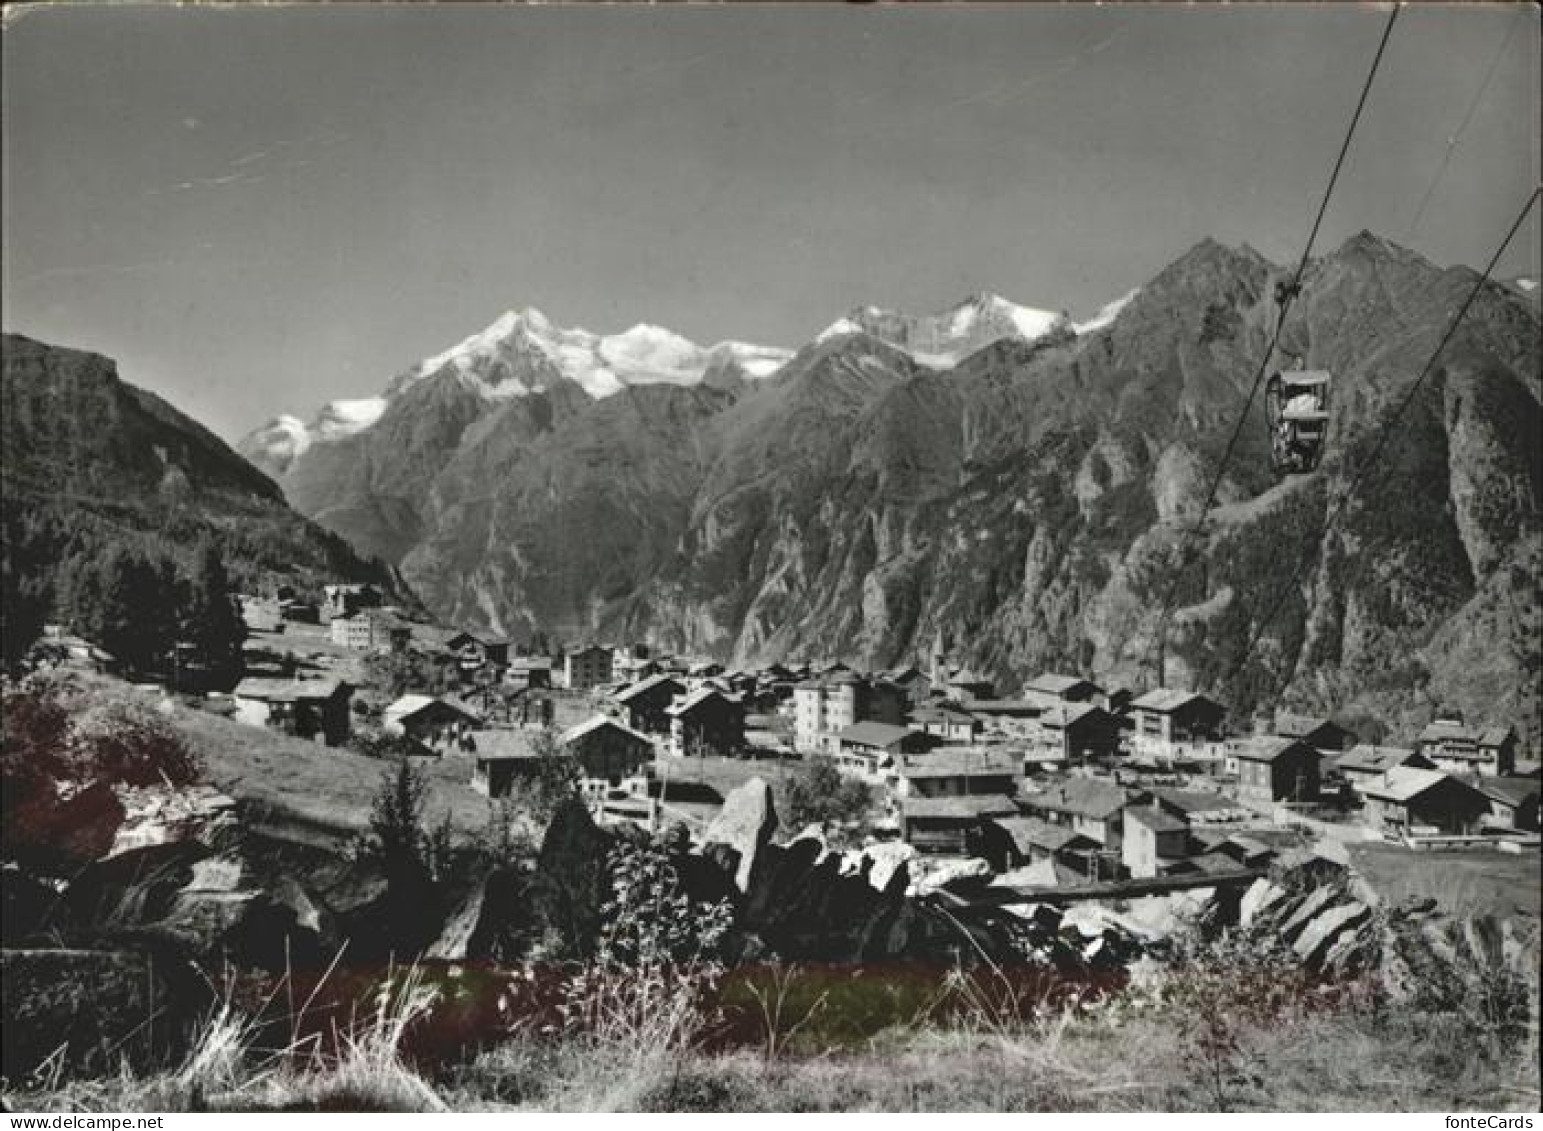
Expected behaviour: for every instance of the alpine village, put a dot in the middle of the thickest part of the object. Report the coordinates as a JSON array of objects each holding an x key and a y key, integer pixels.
[{"x": 992, "y": 709}]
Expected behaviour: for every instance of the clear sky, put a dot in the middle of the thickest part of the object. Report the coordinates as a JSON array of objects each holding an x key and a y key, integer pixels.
[{"x": 260, "y": 210}]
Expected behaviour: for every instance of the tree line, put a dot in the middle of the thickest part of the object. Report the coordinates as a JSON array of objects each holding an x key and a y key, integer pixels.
[{"x": 155, "y": 613}]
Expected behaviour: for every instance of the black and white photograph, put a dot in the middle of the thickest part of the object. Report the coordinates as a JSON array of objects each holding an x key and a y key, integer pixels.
[{"x": 770, "y": 558}]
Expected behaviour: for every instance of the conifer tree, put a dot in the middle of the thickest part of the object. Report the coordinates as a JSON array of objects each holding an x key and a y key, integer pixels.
[{"x": 213, "y": 624}]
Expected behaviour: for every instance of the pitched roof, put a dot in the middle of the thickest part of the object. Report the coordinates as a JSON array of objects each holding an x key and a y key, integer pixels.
[
  {"x": 1366, "y": 758},
  {"x": 411, "y": 703},
  {"x": 1299, "y": 726},
  {"x": 496, "y": 745},
  {"x": 1447, "y": 728},
  {"x": 1052, "y": 684},
  {"x": 1496, "y": 736},
  {"x": 1027, "y": 703},
  {"x": 1195, "y": 801},
  {"x": 1404, "y": 783},
  {"x": 957, "y": 808},
  {"x": 1165, "y": 699},
  {"x": 1269, "y": 748},
  {"x": 597, "y": 722},
  {"x": 698, "y": 697},
  {"x": 953, "y": 762},
  {"x": 942, "y": 713},
  {"x": 627, "y": 694},
  {"x": 287, "y": 690},
  {"x": 869, "y": 733},
  {"x": 1158, "y": 820},
  {"x": 1512, "y": 791},
  {"x": 1036, "y": 832},
  {"x": 1063, "y": 715},
  {"x": 1085, "y": 797}
]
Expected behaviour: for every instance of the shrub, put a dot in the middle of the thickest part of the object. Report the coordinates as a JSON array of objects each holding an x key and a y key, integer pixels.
[
  {"x": 656, "y": 962},
  {"x": 820, "y": 794}
]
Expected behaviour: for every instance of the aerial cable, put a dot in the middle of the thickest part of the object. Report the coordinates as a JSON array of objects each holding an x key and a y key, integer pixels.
[
  {"x": 1456, "y": 136},
  {"x": 1285, "y": 294},
  {"x": 1387, "y": 427}
]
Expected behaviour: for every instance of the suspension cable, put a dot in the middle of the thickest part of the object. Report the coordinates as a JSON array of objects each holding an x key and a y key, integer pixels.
[
  {"x": 1287, "y": 295},
  {"x": 1386, "y": 430}
]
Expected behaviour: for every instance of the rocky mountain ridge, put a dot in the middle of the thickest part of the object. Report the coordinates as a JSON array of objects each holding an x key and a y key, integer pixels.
[
  {"x": 1026, "y": 501},
  {"x": 90, "y": 459}
]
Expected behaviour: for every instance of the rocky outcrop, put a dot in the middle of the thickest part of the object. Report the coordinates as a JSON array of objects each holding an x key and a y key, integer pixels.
[
  {"x": 84, "y": 449},
  {"x": 744, "y": 825}
]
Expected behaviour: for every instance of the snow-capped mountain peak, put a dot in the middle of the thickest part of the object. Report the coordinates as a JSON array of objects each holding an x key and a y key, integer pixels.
[
  {"x": 943, "y": 340},
  {"x": 519, "y": 353}
]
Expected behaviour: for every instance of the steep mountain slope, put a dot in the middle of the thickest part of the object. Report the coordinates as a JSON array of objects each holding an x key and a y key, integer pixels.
[
  {"x": 364, "y": 467},
  {"x": 96, "y": 459},
  {"x": 1027, "y": 498}
]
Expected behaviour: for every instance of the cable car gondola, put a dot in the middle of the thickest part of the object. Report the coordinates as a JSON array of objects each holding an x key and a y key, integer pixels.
[{"x": 1296, "y": 404}]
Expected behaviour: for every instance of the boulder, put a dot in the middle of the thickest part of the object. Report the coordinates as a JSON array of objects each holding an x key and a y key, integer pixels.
[
  {"x": 947, "y": 873},
  {"x": 1351, "y": 953},
  {"x": 887, "y": 858},
  {"x": 776, "y": 881},
  {"x": 1313, "y": 944},
  {"x": 1261, "y": 898},
  {"x": 133, "y": 888},
  {"x": 745, "y": 823},
  {"x": 1317, "y": 901},
  {"x": 454, "y": 941},
  {"x": 162, "y": 814}
]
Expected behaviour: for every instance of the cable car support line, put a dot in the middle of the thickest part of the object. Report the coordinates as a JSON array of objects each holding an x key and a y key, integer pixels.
[
  {"x": 1387, "y": 427},
  {"x": 1286, "y": 293}
]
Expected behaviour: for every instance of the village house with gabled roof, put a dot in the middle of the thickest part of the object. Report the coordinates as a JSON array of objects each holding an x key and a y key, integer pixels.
[
  {"x": 1067, "y": 688},
  {"x": 1015, "y": 716},
  {"x": 1201, "y": 808},
  {"x": 1173, "y": 724},
  {"x": 1513, "y": 801},
  {"x": 607, "y": 755},
  {"x": 1014, "y": 842},
  {"x": 647, "y": 703},
  {"x": 312, "y": 709},
  {"x": 472, "y": 653},
  {"x": 607, "y": 751},
  {"x": 434, "y": 723},
  {"x": 914, "y": 684},
  {"x": 870, "y": 749},
  {"x": 948, "y": 825},
  {"x": 1077, "y": 732},
  {"x": 1407, "y": 801},
  {"x": 948, "y": 722},
  {"x": 530, "y": 673},
  {"x": 1322, "y": 734},
  {"x": 1274, "y": 768},
  {"x": 1152, "y": 840},
  {"x": 1091, "y": 806},
  {"x": 1364, "y": 762},
  {"x": 967, "y": 685},
  {"x": 959, "y": 771},
  {"x": 1460, "y": 749},
  {"x": 707, "y": 722}
]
